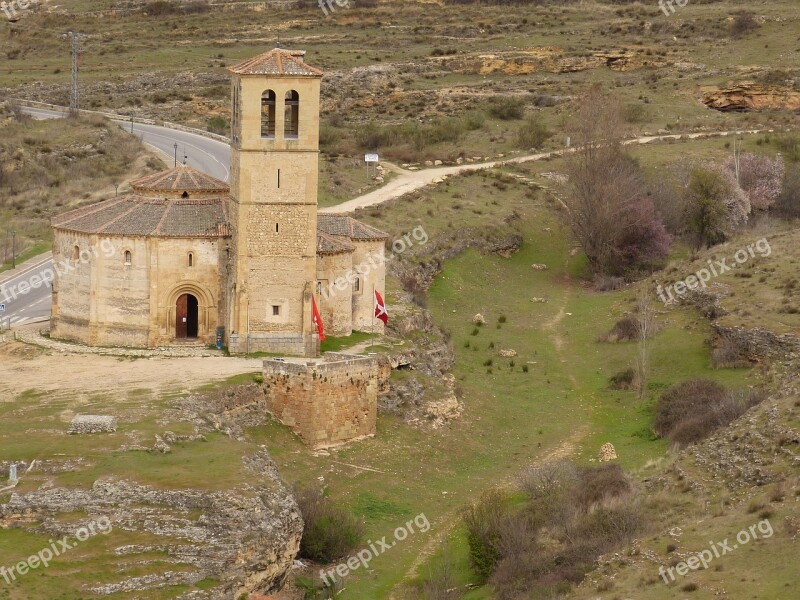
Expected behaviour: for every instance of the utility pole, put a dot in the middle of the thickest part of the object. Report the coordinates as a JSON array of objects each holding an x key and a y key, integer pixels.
[{"x": 74, "y": 96}]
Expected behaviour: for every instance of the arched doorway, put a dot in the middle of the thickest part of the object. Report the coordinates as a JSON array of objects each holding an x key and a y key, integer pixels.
[{"x": 186, "y": 317}]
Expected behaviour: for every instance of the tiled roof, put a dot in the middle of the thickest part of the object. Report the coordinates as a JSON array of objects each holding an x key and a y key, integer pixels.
[
  {"x": 344, "y": 226},
  {"x": 277, "y": 62},
  {"x": 180, "y": 179},
  {"x": 327, "y": 245},
  {"x": 145, "y": 216}
]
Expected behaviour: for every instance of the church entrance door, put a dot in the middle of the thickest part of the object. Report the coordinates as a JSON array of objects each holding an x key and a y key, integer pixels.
[{"x": 186, "y": 317}]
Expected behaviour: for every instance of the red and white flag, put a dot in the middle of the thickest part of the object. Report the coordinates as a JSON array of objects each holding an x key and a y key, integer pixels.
[
  {"x": 317, "y": 319},
  {"x": 380, "y": 308}
]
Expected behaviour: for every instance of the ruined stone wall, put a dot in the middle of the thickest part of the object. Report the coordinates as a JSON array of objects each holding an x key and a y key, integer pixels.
[
  {"x": 325, "y": 403},
  {"x": 335, "y": 302}
]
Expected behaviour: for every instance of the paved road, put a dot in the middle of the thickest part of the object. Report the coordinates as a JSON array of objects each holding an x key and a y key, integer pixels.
[
  {"x": 207, "y": 155},
  {"x": 25, "y": 296}
]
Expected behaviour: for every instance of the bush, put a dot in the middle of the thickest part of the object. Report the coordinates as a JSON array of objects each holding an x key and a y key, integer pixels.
[
  {"x": 689, "y": 412},
  {"x": 571, "y": 515},
  {"x": 624, "y": 330},
  {"x": 730, "y": 354},
  {"x": 330, "y": 532},
  {"x": 483, "y": 521},
  {"x": 743, "y": 23},
  {"x": 787, "y": 204},
  {"x": 532, "y": 133},
  {"x": 624, "y": 380},
  {"x": 599, "y": 483},
  {"x": 505, "y": 108}
]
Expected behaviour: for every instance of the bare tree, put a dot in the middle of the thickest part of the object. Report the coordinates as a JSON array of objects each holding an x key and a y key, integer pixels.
[
  {"x": 645, "y": 328},
  {"x": 608, "y": 210}
]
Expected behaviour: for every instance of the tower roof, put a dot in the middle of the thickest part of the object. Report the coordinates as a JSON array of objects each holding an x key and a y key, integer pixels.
[
  {"x": 277, "y": 62},
  {"x": 180, "y": 179}
]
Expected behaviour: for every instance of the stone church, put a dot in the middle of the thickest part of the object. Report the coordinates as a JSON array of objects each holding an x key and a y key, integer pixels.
[{"x": 188, "y": 258}]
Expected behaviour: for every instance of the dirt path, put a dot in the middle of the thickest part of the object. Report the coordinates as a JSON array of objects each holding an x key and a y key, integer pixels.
[
  {"x": 27, "y": 367},
  {"x": 409, "y": 181}
]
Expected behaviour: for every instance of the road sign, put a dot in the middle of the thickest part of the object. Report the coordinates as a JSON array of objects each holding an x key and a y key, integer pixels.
[
  {"x": 2, "y": 308},
  {"x": 371, "y": 158}
]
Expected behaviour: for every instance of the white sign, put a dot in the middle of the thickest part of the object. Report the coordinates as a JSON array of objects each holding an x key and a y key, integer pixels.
[
  {"x": 2, "y": 308},
  {"x": 371, "y": 158}
]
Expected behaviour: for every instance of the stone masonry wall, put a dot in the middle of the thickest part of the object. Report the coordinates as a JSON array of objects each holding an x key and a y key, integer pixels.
[{"x": 325, "y": 403}]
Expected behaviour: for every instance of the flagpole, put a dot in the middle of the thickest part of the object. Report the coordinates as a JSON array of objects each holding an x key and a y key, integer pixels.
[{"x": 372, "y": 339}]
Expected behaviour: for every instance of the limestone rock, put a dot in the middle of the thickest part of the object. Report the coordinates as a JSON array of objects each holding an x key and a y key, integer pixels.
[
  {"x": 478, "y": 319},
  {"x": 539, "y": 267},
  {"x": 508, "y": 353},
  {"x": 607, "y": 452},
  {"x": 82, "y": 424}
]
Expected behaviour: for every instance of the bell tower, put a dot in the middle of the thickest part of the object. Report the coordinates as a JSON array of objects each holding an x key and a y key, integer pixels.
[{"x": 274, "y": 178}]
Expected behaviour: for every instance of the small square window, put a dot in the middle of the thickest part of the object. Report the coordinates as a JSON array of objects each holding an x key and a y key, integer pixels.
[{"x": 276, "y": 310}]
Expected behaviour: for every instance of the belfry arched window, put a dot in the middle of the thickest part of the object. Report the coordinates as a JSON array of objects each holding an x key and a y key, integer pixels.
[
  {"x": 291, "y": 119},
  {"x": 268, "y": 114}
]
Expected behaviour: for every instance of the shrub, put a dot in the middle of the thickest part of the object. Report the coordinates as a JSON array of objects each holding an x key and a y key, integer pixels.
[
  {"x": 624, "y": 330},
  {"x": 330, "y": 532},
  {"x": 743, "y": 23},
  {"x": 787, "y": 204},
  {"x": 730, "y": 354},
  {"x": 624, "y": 380},
  {"x": 532, "y": 133},
  {"x": 505, "y": 108},
  {"x": 690, "y": 411},
  {"x": 483, "y": 521},
  {"x": 218, "y": 125},
  {"x": 599, "y": 483}
]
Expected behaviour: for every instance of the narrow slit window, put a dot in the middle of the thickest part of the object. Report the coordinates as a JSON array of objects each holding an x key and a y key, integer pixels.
[
  {"x": 128, "y": 257},
  {"x": 76, "y": 252},
  {"x": 276, "y": 228},
  {"x": 191, "y": 259},
  {"x": 276, "y": 310},
  {"x": 279, "y": 179}
]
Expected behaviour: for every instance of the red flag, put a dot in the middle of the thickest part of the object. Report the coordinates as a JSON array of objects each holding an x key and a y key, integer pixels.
[
  {"x": 380, "y": 308},
  {"x": 317, "y": 319}
]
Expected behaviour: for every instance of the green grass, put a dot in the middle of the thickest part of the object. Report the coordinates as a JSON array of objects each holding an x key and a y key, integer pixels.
[
  {"x": 35, "y": 250},
  {"x": 336, "y": 344}
]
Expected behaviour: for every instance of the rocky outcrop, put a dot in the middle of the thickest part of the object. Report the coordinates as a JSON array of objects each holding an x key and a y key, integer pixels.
[
  {"x": 749, "y": 96},
  {"x": 246, "y": 538}
]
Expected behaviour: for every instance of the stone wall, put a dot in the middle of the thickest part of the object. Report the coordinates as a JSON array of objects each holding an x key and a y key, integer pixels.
[
  {"x": 335, "y": 301},
  {"x": 103, "y": 299},
  {"x": 325, "y": 402},
  {"x": 369, "y": 263}
]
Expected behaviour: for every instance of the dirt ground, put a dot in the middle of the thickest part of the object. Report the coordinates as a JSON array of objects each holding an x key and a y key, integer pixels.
[{"x": 24, "y": 367}]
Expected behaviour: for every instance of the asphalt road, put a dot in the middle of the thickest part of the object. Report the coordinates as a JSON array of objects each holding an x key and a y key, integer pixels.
[{"x": 26, "y": 296}]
